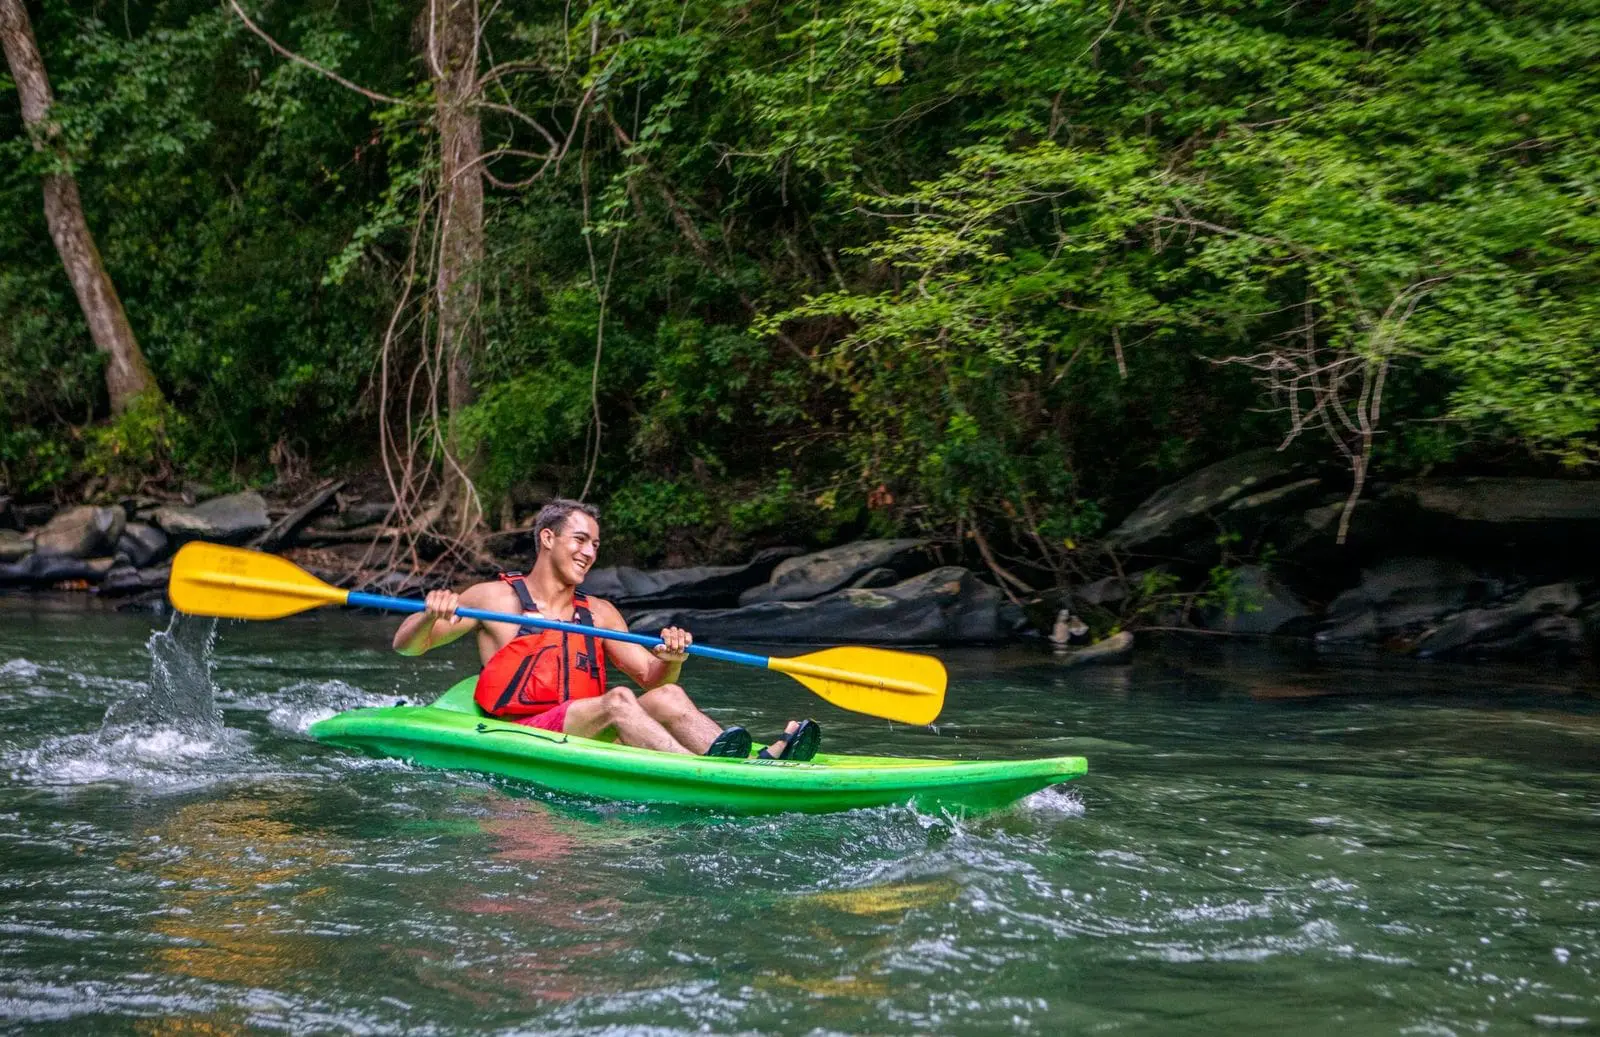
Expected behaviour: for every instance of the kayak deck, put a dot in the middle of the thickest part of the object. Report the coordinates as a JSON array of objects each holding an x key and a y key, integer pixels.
[{"x": 453, "y": 734}]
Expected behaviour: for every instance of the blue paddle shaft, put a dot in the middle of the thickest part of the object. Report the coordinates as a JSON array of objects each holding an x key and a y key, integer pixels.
[{"x": 378, "y": 601}]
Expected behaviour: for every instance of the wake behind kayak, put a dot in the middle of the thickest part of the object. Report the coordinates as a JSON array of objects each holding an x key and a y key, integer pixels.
[{"x": 453, "y": 734}]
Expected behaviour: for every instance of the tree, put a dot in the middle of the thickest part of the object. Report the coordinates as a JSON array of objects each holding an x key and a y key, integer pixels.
[{"x": 128, "y": 376}]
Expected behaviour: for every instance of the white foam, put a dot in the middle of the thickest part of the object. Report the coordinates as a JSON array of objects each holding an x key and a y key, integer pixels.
[{"x": 1057, "y": 799}]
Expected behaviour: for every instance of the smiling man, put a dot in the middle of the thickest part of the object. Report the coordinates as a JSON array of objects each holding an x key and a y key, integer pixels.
[{"x": 557, "y": 681}]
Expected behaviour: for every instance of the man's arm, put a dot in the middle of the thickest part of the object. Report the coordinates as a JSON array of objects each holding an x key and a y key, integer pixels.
[
  {"x": 650, "y": 668},
  {"x": 438, "y": 624}
]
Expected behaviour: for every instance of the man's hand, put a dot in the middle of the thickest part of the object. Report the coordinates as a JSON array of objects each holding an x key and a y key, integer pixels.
[
  {"x": 674, "y": 645},
  {"x": 441, "y": 604}
]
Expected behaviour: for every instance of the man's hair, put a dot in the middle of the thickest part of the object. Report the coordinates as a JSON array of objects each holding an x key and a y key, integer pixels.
[{"x": 554, "y": 516}]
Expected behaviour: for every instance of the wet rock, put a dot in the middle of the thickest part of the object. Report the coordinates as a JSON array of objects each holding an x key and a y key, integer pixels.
[
  {"x": 1116, "y": 650},
  {"x": 1541, "y": 619},
  {"x": 949, "y": 605},
  {"x": 1397, "y": 594},
  {"x": 1208, "y": 490},
  {"x": 80, "y": 532},
  {"x": 231, "y": 519},
  {"x": 122, "y": 579},
  {"x": 46, "y": 569},
  {"x": 706, "y": 586},
  {"x": 1261, "y": 604},
  {"x": 141, "y": 544},
  {"x": 14, "y": 546},
  {"x": 813, "y": 575},
  {"x": 1102, "y": 592}
]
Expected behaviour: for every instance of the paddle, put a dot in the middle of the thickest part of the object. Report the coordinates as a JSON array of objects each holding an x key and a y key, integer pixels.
[{"x": 232, "y": 583}]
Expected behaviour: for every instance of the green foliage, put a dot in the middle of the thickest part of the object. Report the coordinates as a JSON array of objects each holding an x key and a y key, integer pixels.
[{"x": 879, "y": 265}]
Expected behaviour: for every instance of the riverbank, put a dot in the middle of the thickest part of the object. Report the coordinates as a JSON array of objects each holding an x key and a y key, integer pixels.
[{"x": 1443, "y": 568}]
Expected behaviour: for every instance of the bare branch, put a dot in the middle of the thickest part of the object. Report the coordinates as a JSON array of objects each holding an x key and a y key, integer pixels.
[{"x": 371, "y": 95}]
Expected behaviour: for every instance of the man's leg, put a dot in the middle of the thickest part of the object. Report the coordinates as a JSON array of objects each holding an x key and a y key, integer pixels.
[
  {"x": 671, "y": 707},
  {"x": 619, "y": 709}
]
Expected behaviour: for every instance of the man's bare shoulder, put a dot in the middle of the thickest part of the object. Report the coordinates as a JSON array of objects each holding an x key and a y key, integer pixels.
[
  {"x": 491, "y": 594},
  {"x": 606, "y": 614}
]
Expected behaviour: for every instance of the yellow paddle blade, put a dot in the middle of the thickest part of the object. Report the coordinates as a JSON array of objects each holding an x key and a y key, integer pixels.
[
  {"x": 893, "y": 685},
  {"x": 230, "y": 582}
]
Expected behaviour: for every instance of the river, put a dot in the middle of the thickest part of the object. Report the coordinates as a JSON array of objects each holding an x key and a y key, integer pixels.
[{"x": 1267, "y": 842}]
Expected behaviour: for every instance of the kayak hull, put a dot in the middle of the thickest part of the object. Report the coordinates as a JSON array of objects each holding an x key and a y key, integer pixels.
[{"x": 446, "y": 735}]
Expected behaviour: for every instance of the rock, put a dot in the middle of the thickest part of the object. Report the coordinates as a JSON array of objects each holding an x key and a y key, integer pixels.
[
  {"x": 813, "y": 575},
  {"x": 1508, "y": 500},
  {"x": 1261, "y": 605},
  {"x": 231, "y": 519},
  {"x": 879, "y": 577},
  {"x": 122, "y": 579},
  {"x": 1106, "y": 591},
  {"x": 141, "y": 544},
  {"x": 949, "y": 605},
  {"x": 8, "y": 518},
  {"x": 45, "y": 569},
  {"x": 14, "y": 546},
  {"x": 1519, "y": 628},
  {"x": 1267, "y": 498},
  {"x": 706, "y": 586},
  {"x": 1116, "y": 650},
  {"x": 80, "y": 532},
  {"x": 1396, "y": 594},
  {"x": 1206, "y": 490}
]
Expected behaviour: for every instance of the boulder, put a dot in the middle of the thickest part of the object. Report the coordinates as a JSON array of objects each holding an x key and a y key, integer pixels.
[
  {"x": 141, "y": 544},
  {"x": 1208, "y": 490},
  {"x": 122, "y": 579},
  {"x": 1508, "y": 500},
  {"x": 813, "y": 575},
  {"x": 949, "y": 605},
  {"x": 706, "y": 586},
  {"x": 80, "y": 532},
  {"x": 1397, "y": 594},
  {"x": 45, "y": 569},
  {"x": 1261, "y": 604},
  {"x": 231, "y": 519},
  {"x": 14, "y": 546},
  {"x": 1523, "y": 627}
]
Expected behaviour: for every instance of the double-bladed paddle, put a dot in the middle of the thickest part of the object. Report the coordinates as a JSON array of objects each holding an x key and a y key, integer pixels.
[{"x": 233, "y": 583}]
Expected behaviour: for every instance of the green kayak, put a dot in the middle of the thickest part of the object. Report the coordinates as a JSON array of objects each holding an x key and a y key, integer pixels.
[{"x": 452, "y": 733}]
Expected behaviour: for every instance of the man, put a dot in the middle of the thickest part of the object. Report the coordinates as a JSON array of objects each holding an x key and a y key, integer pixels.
[{"x": 555, "y": 680}]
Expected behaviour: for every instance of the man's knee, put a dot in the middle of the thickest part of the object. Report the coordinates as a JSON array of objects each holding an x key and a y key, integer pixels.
[
  {"x": 619, "y": 702},
  {"x": 670, "y": 695}
]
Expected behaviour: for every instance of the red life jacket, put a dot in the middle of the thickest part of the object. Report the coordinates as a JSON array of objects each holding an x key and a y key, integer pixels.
[{"x": 539, "y": 669}]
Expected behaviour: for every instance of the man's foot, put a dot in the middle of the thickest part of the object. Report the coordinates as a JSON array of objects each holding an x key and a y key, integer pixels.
[
  {"x": 799, "y": 743},
  {"x": 732, "y": 742}
]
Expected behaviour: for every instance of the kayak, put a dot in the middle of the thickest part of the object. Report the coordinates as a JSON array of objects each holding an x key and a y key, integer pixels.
[{"x": 454, "y": 734}]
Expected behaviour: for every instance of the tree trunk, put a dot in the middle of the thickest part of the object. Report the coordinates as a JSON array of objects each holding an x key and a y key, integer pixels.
[
  {"x": 127, "y": 374},
  {"x": 452, "y": 50}
]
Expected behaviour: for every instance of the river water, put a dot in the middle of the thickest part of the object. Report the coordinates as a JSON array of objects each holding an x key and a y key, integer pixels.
[{"x": 1267, "y": 842}]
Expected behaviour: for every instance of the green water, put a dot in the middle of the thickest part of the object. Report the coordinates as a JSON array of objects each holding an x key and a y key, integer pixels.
[{"x": 1266, "y": 843}]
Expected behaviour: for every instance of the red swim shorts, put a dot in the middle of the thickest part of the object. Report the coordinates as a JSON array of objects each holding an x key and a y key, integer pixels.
[{"x": 552, "y": 719}]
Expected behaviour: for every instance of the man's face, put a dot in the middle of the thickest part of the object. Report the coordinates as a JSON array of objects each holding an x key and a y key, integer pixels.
[{"x": 573, "y": 547}]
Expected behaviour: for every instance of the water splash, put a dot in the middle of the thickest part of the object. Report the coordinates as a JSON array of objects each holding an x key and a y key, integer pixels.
[
  {"x": 181, "y": 695},
  {"x": 167, "y": 733}
]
